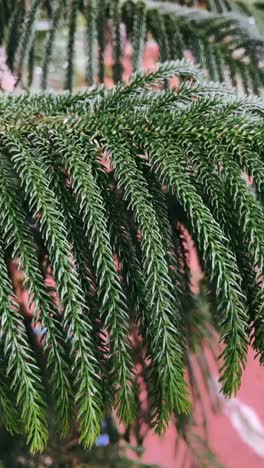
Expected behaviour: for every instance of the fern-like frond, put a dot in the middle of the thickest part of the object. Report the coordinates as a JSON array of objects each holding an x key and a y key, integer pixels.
[
  {"x": 111, "y": 184},
  {"x": 18, "y": 235},
  {"x": 21, "y": 367}
]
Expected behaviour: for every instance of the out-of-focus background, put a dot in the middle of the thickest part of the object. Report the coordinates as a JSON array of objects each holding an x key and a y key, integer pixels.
[{"x": 236, "y": 432}]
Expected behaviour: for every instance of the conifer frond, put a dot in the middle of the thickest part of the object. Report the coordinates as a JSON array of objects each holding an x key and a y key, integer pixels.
[
  {"x": 116, "y": 241},
  {"x": 21, "y": 365}
]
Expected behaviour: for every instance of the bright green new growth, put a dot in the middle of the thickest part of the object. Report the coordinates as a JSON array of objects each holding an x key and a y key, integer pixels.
[{"x": 57, "y": 197}]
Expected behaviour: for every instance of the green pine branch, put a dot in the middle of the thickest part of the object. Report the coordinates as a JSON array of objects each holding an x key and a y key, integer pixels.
[{"x": 115, "y": 240}]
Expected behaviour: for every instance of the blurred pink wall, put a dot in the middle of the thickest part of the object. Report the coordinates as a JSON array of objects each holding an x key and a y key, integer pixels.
[{"x": 226, "y": 441}]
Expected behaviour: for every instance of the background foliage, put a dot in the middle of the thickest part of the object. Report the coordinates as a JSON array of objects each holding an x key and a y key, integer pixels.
[{"x": 220, "y": 35}]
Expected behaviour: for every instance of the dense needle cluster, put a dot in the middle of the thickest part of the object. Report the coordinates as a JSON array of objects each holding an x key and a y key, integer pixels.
[
  {"x": 112, "y": 235},
  {"x": 223, "y": 39}
]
